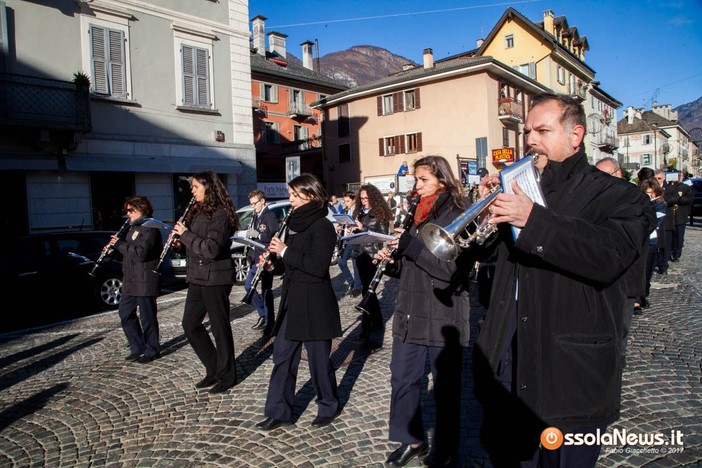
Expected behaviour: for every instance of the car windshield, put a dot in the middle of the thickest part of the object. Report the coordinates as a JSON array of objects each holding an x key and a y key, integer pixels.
[{"x": 245, "y": 218}]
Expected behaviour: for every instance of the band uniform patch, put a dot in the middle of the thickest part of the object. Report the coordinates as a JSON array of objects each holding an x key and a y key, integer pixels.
[
  {"x": 261, "y": 228},
  {"x": 135, "y": 235}
]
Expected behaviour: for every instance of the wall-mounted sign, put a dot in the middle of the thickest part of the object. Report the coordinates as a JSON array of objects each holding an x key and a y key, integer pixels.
[{"x": 502, "y": 155}]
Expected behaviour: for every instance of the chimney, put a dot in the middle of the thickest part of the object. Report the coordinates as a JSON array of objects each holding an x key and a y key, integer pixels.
[
  {"x": 548, "y": 22},
  {"x": 428, "y": 58},
  {"x": 630, "y": 115},
  {"x": 259, "y": 34},
  {"x": 276, "y": 43},
  {"x": 307, "y": 60},
  {"x": 479, "y": 42}
]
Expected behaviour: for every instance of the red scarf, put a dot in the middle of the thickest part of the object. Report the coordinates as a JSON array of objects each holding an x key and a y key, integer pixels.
[{"x": 424, "y": 208}]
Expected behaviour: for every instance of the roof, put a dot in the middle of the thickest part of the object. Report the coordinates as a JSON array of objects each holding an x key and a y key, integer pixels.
[
  {"x": 644, "y": 124},
  {"x": 440, "y": 67},
  {"x": 538, "y": 29},
  {"x": 277, "y": 65}
]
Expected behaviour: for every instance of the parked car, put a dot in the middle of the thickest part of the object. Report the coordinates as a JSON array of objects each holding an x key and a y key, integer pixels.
[
  {"x": 241, "y": 262},
  {"x": 697, "y": 203},
  {"x": 53, "y": 270}
]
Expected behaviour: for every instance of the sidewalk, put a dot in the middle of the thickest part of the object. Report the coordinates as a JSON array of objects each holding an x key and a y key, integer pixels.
[{"x": 68, "y": 398}]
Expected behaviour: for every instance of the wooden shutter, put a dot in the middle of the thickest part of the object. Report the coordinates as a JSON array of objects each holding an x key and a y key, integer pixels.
[
  {"x": 116, "y": 63},
  {"x": 188, "y": 59},
  {"x": 397, "y": 104},
  {"x": 98, "y": 56},
  {"x": 380, "y": 105},
  {"x": 202, "y": 78},
  {"x": 400, "y": 140},
  {"x": 381, "y": 145},
  {"x": 416, "y": 99},
  {"x": 419, "y": 140}
]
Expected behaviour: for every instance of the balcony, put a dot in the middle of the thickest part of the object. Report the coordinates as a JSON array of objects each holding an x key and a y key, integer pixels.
[
  {"x": 298, "y": 110},
  {"x": 298, "y": 146},
  {"x": 579, "y": 92},
  {"x": 510, "y": 110},
  {"x": 606, "y": 143},
  {"x": 41, "y": 103}
]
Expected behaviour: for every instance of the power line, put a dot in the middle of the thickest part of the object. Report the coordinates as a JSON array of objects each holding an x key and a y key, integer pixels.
[{"x": 395, "y": 15}]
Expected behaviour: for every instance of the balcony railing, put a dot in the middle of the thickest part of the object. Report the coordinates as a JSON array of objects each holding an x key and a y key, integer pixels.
[
  {"x": 27, "y": 101},
  {"x": 299, "y": 110},
  {"x": 510, "y": 109},
  {"x": 301, "y": 145},
  {"x": 606, "y": 142}
]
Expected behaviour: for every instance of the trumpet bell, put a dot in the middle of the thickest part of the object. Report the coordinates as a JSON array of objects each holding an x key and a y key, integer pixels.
[{"x": 439, "y": 242}]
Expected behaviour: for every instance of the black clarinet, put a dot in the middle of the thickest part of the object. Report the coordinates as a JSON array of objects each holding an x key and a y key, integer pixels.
[
  {"x": 108, "y": 249},
  {"x": 172, "y": 237},
  {"x": 248, "y": 297},
  {"x": 383, "y": 264}
]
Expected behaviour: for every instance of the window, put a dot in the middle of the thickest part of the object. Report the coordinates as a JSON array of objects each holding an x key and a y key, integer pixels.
[
  {"x": 269, "y": 92},
  {"x": 108, "y": 61},
  {"x": 413, "y": 142},
  {"x": 297, "y": 101},
  {"x": 391, "y": 145},
  {"x": 300, "y": 136},
  {"x": 270, "y": 132},
  {"x": 646, "y": 159},
  {"x": 647, "y": 139},
  {"x": 345, "y": 152},
  {"x": 344, "y": 123},
  {"x": 481, "y": 151},
  {"x": 528, "y": 69},
  {"x": 411, "y": 99},
  {"x": 387, "y": 104},
  {"x": 505, "y": 137},
  {"x": 196, "y": 77},
  {"x": 509, "y": 41}
]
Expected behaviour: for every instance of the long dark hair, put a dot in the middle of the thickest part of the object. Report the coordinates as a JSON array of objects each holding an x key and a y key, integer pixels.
[
  {"x": 309, "y": 186},
  {"x": 378, "y": 204},
  {"x": 441, "y": 169},
  {"x": 216, "y": 196}
]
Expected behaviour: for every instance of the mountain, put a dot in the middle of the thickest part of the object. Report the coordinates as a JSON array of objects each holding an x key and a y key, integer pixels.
[
  {"x": 359, "y": 65},
  {"x": 690, "y": 114}
]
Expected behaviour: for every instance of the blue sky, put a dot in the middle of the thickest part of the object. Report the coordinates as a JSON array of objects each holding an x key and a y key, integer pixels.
[{"x": 641, "y": 50}]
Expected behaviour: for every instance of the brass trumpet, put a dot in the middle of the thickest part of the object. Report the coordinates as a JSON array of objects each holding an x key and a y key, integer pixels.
[{"x": 443, "y": 242}]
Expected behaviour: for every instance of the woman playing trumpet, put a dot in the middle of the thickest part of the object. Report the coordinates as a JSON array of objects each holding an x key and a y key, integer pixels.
[{"x": 431, "y": 321}]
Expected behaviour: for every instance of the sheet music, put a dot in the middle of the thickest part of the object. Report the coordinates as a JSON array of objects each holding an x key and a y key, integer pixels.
[
  {"x": 524, "y": 173},
  {"x": 344, "y": 219},
  {"x": 366, "y": 237}
]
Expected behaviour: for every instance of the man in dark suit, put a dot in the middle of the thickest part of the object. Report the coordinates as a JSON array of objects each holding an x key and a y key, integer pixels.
[{"x": 264, "y": 227}]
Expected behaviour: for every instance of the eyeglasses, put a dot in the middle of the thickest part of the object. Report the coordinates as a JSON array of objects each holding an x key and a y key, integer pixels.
[
  {"x": 256, "y": 202},
  {"x": 131, "y": 210},
  {"x": 364, "y": 198}
]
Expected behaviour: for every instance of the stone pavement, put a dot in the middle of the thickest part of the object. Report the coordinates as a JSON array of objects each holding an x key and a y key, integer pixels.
[{"x": 68, "y": 398}]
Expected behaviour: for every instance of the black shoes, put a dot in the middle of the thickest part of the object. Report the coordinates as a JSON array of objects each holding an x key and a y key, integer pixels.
[
  {"x": 144, "y": 359},
  {"x": 674, "y": 259},
  {"x": 348, "y": 290},
  {"x": 355, "y": 292},
  {"x": 220, "y": 387},
  {"x": 405, "y": 453},
  {"x": 269, "y": 424},
  {"x": 260, "y": 324},
  {"x": 321, "y": 421},
  {"x": 133, "y": 357},
  {"x": 206, "y": 382}
]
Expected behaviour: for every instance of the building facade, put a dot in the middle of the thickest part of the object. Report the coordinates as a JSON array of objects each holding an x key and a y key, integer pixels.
[{"x": 165, "y": 87}]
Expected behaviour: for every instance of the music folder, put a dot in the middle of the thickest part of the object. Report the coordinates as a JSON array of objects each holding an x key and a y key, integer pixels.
[
  {"x": 249, "y": 242},
  {"x": 524, "y": 172},
  {"x": 344, "y": 219},
  {"x": 366, "y": 237}
]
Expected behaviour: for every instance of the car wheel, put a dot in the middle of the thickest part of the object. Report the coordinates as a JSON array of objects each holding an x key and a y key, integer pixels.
[
  {"x": 109, "y": 292},
  {"x": 241, "y": 268}
]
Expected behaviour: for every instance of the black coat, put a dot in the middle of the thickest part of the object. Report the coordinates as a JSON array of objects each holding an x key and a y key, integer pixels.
[
  {"x": 207, "y": 243},
  {"x": 433, "y": 297},
  {"x": 679, "y": 198},
  {"x": 568, "y": 263},
  {"x": 140, "y": 249},
  {"x": 266, "y": 226},
  {"x": 307, "y": 298},
  {"x": 370, "y": 223}
]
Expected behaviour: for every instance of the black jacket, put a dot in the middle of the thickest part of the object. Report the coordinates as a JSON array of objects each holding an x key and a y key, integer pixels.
[
  {"x": 370, "y": 223},
  {"x": 207, "y": 244},
  {"x": 307, "y": 296},
  {"x": 679, "y": 198},
  {"x": 140, "y": 249},
  {"x": 266, "y": 225},
  {"x": 433, "y": 298},
  {"x": 568, "y": 263}
]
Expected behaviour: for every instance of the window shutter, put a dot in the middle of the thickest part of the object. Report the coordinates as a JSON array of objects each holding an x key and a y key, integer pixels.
[
  {"x": 416, "y": 99},
  {"x": 401, "y": 143},
  {"x": 188, "y": 75},
  {"x": 4, "y": 41},
  {"x": 274, "y": 93},
  {"x": 380, "y": 105},
  {"x": 532, "y": 70},
  {"x": 276, "y": 133},
  {"x": 203, "y": 81},
  {"x": 98, "y": 57},
  {"x": 419, "y": 141},
  {"x": 117, "y": 68},
  {"x": 397, "y": 104},
  {"x": 381, "y": 144}
]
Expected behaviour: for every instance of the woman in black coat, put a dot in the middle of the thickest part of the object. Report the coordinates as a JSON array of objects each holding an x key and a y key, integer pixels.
[
  {"x": 375, "y": 215},
  {"x": 210, "y": 275},
  {"x": 308, "y": 314},
  {"x": 431, "y": 321}
]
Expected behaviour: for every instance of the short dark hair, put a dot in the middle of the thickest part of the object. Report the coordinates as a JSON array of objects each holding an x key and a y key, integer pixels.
[
  {"x": 350, "y": 194},
  {"x": 140, "y": 203},
  {"x": 573, "y": 113},
  {"x": 257, "y": 193}
]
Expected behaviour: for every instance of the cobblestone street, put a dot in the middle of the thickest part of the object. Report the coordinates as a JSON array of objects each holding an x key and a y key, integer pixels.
[{"x": 68, "y": 398}]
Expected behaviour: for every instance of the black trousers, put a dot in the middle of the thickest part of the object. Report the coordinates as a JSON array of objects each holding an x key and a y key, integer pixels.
[
  {"x": 366, "y": 270},
  {"x": 407, "y": 369},
  {"x": 678, "y": 241},
  {"x": 218, "y": 357},
  {"x": 143, "y": 336},
  {"x": 286, "y": 361}
]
